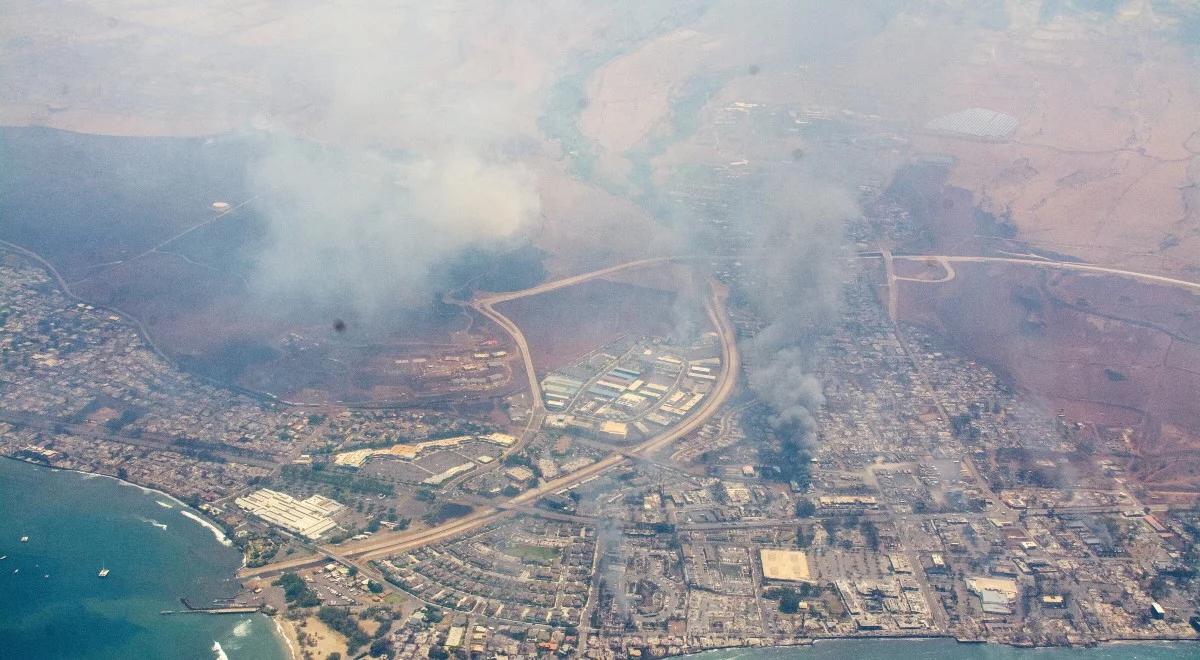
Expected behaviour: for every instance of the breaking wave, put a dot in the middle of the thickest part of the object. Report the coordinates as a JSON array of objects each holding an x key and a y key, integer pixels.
[
  {"x": 221, "y": 538},
  {"x": 151, "y": 521}
]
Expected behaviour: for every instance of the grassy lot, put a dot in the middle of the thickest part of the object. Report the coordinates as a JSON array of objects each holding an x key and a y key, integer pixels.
[{"x": 532, "y": 553}]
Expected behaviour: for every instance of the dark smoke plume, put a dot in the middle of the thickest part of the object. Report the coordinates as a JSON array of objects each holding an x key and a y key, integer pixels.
[{"x": 798, "y": 268}]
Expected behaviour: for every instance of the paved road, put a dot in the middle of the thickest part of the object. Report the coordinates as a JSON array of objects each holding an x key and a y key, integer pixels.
[
  {"x": 485, "y": 305},
  {"x": 889, "y": 269},
  {"x": 888, "y": 262},
  {"x": 384, "y": 544},
  {"x": 147, "y": 440},
  {"x": 518, "y": 337},
  {"x": 1057, "y": 265},
  {"x": 496, "y": 298},
  {"x": 389, "y": 543}
]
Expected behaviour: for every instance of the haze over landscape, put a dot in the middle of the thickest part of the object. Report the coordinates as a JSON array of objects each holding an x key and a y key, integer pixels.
[{"x": 608, "y": 329}]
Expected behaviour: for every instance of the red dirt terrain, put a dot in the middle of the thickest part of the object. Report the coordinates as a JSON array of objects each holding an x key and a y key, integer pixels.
[
  {"x": 200, "y": 317},
  {"x": 1105, "y": 350},
  {"x": 562, "y": 325}
]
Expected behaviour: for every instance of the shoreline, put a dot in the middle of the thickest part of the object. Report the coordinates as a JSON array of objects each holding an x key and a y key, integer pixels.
[
  {"x": 285, "y": 631},
  {"x": 813, "y": 641},
  {"x": 58, "y": 468},
  {"x": 149, "y": 490},
  {"x": 184, "y": 509}
]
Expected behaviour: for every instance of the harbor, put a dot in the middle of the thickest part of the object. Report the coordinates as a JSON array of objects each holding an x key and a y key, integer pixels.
[
  {"x": 78, "y": 524},
  {"x": 226, "y": 609}
]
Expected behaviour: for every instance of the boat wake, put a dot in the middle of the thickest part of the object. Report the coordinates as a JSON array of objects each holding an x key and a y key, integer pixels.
[
  {"x": 218, "y": 652},
  {"x": 165, "y": 505}
]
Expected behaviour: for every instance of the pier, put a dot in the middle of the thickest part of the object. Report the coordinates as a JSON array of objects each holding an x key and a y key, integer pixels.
[{"x": 228, "y": 609}]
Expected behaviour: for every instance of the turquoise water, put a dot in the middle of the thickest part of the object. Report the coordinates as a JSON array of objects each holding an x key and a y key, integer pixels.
[
  {"x": 78, "y": 523},
  {"x": 943, "y": 649}
]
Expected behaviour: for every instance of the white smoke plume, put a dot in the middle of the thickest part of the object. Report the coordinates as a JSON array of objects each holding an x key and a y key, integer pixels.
[
  {"x": 401, "y": 150},
  {"x": 364, "y": 230}
]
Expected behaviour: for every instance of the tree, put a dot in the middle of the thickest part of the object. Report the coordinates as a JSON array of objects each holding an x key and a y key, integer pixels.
[
  {"x": 805, "y": 508},
  {"x": 381, "y": 646},
  {"x": 334, "y": 656},
  {"x": 374, "y": 587},
  {"x": 789, "y": 601},
  {"x": 870, "y": 534},
  {"x": 341, "y": 620},
  {"x": 438, "y": 653},
  {"x": 296, "y": 592},
  {"x": 803, "y": 538},
  {"x": 830, "y": 526}
]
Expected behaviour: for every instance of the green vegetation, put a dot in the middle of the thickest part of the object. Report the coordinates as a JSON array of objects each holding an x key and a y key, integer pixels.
[
  {"x": 789, "y": 598},
  {"x": 296, "y": 592},
  {"x": 446, "y": 512},
  {"x": 337, "y": 479},
  {"x": 532, "y": 553},
  {"x": 789, "y": 601},
  {"x": 870, "y": 534},
  {"x": 381, "y": 647},
  {"x": 431, "y": 614},
  {"x": 805, "y": 508},
  {"x": 127, "y": 417},
  {"x": 339, "y": 619},
  {"x": 804, "y": 537}
]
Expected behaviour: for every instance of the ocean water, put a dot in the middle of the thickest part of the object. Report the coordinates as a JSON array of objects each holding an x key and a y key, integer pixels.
[
  {"x": 946, "y": 649},
  {"x": 53, "y": 604}
]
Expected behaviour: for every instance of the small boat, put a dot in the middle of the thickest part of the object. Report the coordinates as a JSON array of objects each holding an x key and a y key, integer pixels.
[
  {"x": 3, "y": 557},
  {"x": 47, "y": 576},
  {"x": 103, "y": 572},
  {"x": 24, "y": 539}
]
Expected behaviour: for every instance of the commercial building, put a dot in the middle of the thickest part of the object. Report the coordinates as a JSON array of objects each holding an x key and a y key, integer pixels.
[
  {"x": 996, "y": 595},
  {"x": 309, "y": 517}
]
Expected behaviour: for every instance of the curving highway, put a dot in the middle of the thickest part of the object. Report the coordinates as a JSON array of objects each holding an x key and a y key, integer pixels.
[
  {"x": 390, "y": 543},
  {"x": 1050, "y": 263},
  {"x": 385, "y": 544}
]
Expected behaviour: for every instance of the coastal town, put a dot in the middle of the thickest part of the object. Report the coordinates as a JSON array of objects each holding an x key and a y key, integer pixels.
[
  {"x": 934, "y": 500},
  {"x": 503, "y": 330}
]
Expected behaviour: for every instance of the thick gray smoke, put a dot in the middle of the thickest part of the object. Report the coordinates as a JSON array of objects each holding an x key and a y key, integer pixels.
[
  {"x": 363, "y": 230},
  {"x": 424, "y": 162},
  {"x": 798, "y": 264}
]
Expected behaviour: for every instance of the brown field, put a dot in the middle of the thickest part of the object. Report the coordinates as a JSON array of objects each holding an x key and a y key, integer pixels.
[
  {"x": 1104, "y": 350},
  {"x": 586, "y": 228},
  {"x": 562, "y": 325},
  {"x": 202, "y": 318}
]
